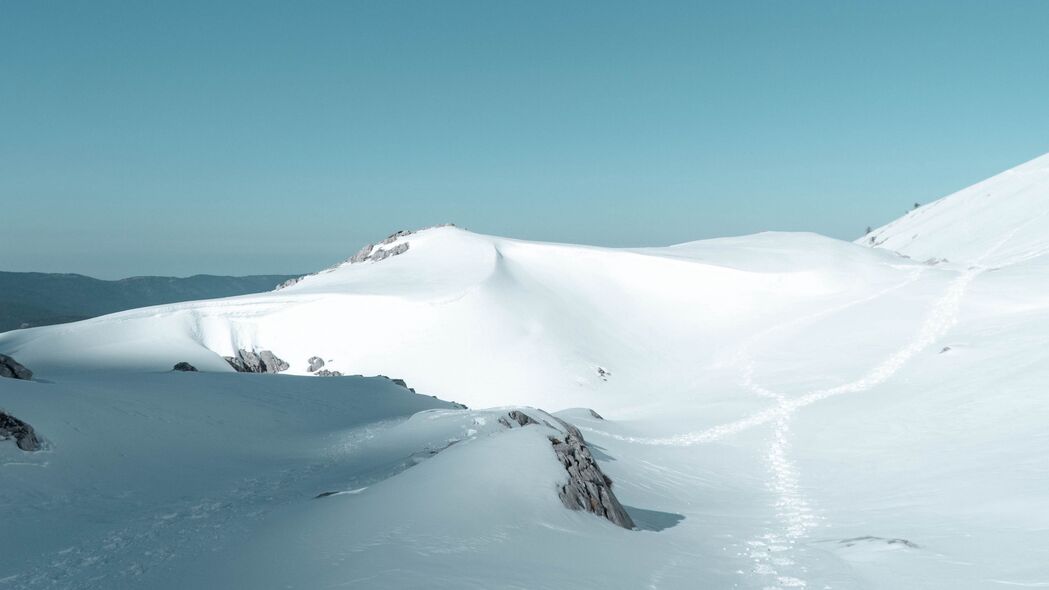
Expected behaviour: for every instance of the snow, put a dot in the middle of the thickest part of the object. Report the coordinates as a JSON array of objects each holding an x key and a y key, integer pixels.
[
  {"x": 1002, "y": 220},
  {"x": 781, "y": 411}
]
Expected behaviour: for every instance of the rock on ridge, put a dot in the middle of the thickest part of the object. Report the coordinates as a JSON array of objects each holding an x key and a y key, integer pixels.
[
  {"x": 315, "y": 362},
  {"x": 12, "y": 369},
  {"x": 24, "y": 435},
  {"x": 587, "y": 488},
  {"x": 264, "y": 361}
]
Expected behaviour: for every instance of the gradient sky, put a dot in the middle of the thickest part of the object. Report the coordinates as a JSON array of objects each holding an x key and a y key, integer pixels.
[{"x": 255, "y": 137}]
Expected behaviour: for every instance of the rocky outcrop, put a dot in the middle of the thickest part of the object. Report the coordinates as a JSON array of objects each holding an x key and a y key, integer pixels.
[
  {"x": 587, "y": 488},
  {"x": 24, "y": 435},
  {"x": 290, "y": 282},
  {"x": 185, "y": 367},
  {"x": 263, "y": 361},
  {"x": 374, "y": 253},
  {"x": 518, "y": 417},
  {"x": 362, "y": 254},
  {"x": 327, "y": 373},
  {"x": 315, "y": 362},
  {"x": 12, "y": 369},
  {"x": 395, "y": 236},
  {"x": 383, "y": 254}
]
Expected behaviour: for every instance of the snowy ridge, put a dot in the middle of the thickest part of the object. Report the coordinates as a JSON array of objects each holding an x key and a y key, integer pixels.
[
  {"x": 779, "y": 411},
  {"x": 962, "y": 226}
]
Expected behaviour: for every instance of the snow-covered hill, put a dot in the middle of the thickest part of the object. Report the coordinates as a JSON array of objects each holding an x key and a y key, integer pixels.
[
  {"x": 1001, "y": 220},
  {"x": 780, "y": 411}
]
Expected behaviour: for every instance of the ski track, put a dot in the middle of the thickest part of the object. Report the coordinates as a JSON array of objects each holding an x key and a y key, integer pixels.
[{"x": 775, "y": 551}]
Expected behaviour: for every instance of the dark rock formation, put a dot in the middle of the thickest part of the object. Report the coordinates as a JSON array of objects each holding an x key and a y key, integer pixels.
[
  {"x": 290, "y": 282},
  {"x": 588, "y": 488},
  {"x": 395, "y": 236},
  {"x": 264, "y": 361},
  {"x": 402, "y": 383},
  {"x": 11, "y": 368},
  {"x": 521, "y": 418},
  {"x": 315, "y": 362},
  {"x": 327, "y": 373},
  {"x": 603, "y": 374},
  {"x": 595, "y": 414},
  {"x": 24, "y": 435},
  {"x": 184, "y": 366}
]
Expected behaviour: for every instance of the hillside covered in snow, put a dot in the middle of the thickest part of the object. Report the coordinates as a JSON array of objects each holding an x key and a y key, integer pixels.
[{"x": 779, "y": 410}]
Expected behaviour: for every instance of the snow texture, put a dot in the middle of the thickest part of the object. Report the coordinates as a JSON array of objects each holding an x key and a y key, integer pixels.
[{"x": 780, "y": 411}]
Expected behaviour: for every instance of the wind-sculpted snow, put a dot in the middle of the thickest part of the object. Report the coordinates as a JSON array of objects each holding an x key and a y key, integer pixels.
[{"x": 777, "y": 411}]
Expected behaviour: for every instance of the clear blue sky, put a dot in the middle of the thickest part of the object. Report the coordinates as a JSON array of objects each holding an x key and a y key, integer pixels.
[{"x": 255, "y": 137}]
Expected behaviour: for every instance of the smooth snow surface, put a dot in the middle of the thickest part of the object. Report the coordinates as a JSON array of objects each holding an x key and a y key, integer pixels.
[
  {"x": 781, "y": 411},
  {"x": 966, "y": 225}
]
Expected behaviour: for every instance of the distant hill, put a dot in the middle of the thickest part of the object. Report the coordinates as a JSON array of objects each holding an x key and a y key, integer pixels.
[{"x": 30, "y": 299}]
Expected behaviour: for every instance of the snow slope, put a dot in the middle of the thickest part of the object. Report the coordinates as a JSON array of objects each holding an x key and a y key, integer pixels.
[
  {"x": 781, "y": 411},
  {"x": 1000, "y": 220}
]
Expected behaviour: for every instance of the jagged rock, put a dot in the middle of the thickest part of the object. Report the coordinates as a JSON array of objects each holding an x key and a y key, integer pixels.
[
  {"x": 395, "y": 236},
  {"x": 362, "y": 254},
  {"x": 403, "y": 384},
  {"x": 11, "y": 368},
  {"x": 370, "y": 252},
  {"x": 603, "y": 374},
  {"x": 595, "y": 414},
  {"x": 315, "y": 362},
  {"x": 327, "y": 373},
  {"x": 184, "y": 366},
  {"x": 264, "y": 361},
  {"x": 521, "y": 418},
  {"x": 381, "y": 254},
  {"x": 290, "y": 282},
  {"x": 24, "y": 435},
  {"x": 588, "y": 488}
]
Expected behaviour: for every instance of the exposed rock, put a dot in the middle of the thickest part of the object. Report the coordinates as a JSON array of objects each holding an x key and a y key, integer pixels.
[
  {"x": 395, "y": 236},
  {"x": 362, "y": 254},
  {"x": 327, "y": 373},
  {"x": 184, "y": 366},
  {"x": 382, "y": 254},
  {"x": 603, "y": 374},
  {"x": 521, "y": 418},
  {"x": 371, "y": 253},
  {"x": 11, "y": 368},
  {"x": 24, "y": 435},
  {"x": 290, "y": 282},
  {"x": 403, "y": 384},
  {"x": 315, "y": 362},
  {"x": 588, "y": 488},
  {"x": 262, "y": 362},
  {"x": 595, "y": 414}
]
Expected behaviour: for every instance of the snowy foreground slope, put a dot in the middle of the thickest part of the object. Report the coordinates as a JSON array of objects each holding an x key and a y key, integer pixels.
[{"x": 780, "y": 411}]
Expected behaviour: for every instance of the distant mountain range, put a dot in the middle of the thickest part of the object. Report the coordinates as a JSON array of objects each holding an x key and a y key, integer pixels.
[{"x": 29, "y": 299}]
